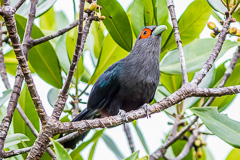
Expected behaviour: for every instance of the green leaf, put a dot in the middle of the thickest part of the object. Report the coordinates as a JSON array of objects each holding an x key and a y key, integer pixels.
[
  {"x": 195, "y": 53},
  {"x": 162, "y": 12},
  {"x": 5, "y": 96},
  {"x": 137, "y": 16},
  {"x": 61, "y": 19},
  {"x": 95, "y": 38},
  {"x": 62, "y": 54},
  {"x": 190, "y": 24},
  {"x": 140, "y": 136},
  {"x": 28, "y": 107},
  {"x": 234, "y": 154},
  {"x": 220, "y": 124},
  {"x": 224, "y": 101},
  {"x": 42, "y": 57},
  {"x": 177, "y": 148},
  {"x": 14, "y": 139},
  {"x": 148, "y": 13},
  {"x": 71, "y": 41},
  {"x": 134, "y": 156},
  {"x": 75, "y": 153},
  {"x": 90, "y": 157},
  {"x": 117, "y": 23},
  {"x": 217, "y": 5},
  {"x": 236, "y": 15},
  {"x": 60, "y": 151},
  {"x": 47, "y": 21},
  {"x": 11, "y": 63},
  {"x": 42, "y": 7},
  {"x": 110, "y": 53},
  {"x": 112, "y": 146},
  {"x": 52, "y": 96}
]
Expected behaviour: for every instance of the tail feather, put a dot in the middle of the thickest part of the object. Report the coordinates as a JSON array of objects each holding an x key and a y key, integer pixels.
[{"x": 85, "y": 114}]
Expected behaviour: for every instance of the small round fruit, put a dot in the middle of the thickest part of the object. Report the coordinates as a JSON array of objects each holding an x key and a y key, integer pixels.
[
  {"x": 238, "y": 33},
  {"x": 213, "y": 35},
  {"x": 238, "y": 39},
  {"x": 85, "y": 7},
  {"x": 211, "y": 25},
  {"x": 197, "y": 142},
  {"x": 233, "y": 30},
  {"x": 93, "y": 6}
]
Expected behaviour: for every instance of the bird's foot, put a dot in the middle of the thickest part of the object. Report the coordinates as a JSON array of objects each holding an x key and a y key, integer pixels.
[
  {"x": 123, "y": 115},
  {"x": 146, "y": 107}
]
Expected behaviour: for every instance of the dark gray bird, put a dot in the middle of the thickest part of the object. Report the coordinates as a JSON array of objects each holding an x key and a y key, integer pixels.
[{"x": 127, "y": 84}]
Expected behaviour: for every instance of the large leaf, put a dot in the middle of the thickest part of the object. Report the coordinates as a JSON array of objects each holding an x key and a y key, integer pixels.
[
  {"x": 110, "y": 53},
  {"x": 71, "y": 41},
  {"x": 28, "y": 107},
  {"x": 191, "y": 23},
  {"x": 195, "y": 53},
  {"x": 11, "y": 63},
  {"x": 42, "y": 57},
  {"x": 5, "y": 96},
  {"x": 162, "y": 12},
  {"x": 137, "y": 16},
  {"x": 47, "y": 21},
  {"x": 60, "y": 151},
  {"x": 42, "y": 7},
  {"x": 148, "y": 13},
  {"x": 234, "y": 154},
  {"x": 52, "y": 96},
  {"x": 220, "y": 124},
  {"x": 112, "y": 146},
  {"x": 14, "y": 139},
  {"x": 117, "y": 23},
  {"x": 217, "y": 5}
]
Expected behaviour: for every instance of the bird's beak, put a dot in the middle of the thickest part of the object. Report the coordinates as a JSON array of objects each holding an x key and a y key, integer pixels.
[{"x": 159, "y": 29}]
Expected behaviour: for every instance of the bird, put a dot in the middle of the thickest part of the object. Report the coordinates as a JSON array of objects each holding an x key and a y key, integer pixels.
[{"x": 127, "y": 84}]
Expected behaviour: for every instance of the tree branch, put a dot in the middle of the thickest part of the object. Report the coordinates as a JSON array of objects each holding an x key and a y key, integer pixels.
[
  {"x": 178, "y": 40},
  {"x": 18, "y": 5}
]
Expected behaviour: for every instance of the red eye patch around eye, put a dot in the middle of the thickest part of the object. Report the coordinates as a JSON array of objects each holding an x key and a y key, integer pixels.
[{"x": 146, "y": 33}]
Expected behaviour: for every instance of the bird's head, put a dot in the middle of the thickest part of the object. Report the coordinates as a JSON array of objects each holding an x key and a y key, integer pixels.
[{"x": 149, "y": 40}]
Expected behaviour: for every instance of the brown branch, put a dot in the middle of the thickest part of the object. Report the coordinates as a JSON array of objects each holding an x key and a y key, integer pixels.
[
  {"x": 216, "y": 50},
  {"x": 32, "y": 128},
  {"x": 18, "y": 5},
  {"x": 227, "y": 73},
  {"x": 2, "y": 63},
  {"x": 56, "y": 34},
  {"x": 178, "y": 40},
  {"x": 175, "y": 128},
  {"x": 82, "y": 34},
  {"x": 129, "y": 137}
]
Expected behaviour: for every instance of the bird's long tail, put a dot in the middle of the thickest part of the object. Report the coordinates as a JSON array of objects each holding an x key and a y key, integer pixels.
[{"x": 85, "y": 114}]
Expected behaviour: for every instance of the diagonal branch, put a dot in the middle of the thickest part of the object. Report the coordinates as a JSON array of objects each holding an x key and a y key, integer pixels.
[
  {"x": 18, "y": 5},
  {"x": 178, "y": 40}
]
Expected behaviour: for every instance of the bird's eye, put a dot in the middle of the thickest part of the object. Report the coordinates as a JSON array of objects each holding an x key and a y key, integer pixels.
[{"x": 146, "y": 33}]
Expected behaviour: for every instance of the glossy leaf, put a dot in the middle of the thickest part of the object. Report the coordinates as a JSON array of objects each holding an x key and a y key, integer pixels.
[
  {"x": 61, "y": 153},
  {"x": 195, "y": 53},
  {"x": 134, "y": 156},
  {"x": 14, "y": 139},
  {"x": 140, "y": 136},
  {"x": 117, "y": 23},
  {"x": 52, "y": 96},
  {"x": 11, "y": 63},
  {"x": 42, "y": 57},
  {"x": 75, "y": 153},
  {"x": 28, "y": 107},
  {"x": 234, "y": 154},
  {"x": 42, "y": 7},
  {"x": 112, "y": 146},
  {"x": 220, "y": 124},
  {"x": 47, "y": 21},
  {"x": 162, "y": 12},
  {"x": 62, "y": 55},
  {"x": 137, "y": 16},
  {"x": 61, "y": 19},
  {"x": 110, "y": 53},
  {"x": 71, "y": 41},
  {"x": 217, "y": 5},
  {"x": 236, "y": 15},
  {"x": 148, "y": 13},
  {"x": 5, "y": 96},
  {"x": 190, "y": 24}
]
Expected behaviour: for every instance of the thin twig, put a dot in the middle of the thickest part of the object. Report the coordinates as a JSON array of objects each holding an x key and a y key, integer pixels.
[
  {"x": 2, "y": 63},
  {"x": 55, "y": 34},
  {"x": 18, "y": 5},
  {"x": 129, "y": 137},
  {"x": 178, "y": 40},
  {"x": 234, "y": 8}
]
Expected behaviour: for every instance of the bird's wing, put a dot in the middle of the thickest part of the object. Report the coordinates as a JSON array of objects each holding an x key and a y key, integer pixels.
[{"x": 105, "y": 87}]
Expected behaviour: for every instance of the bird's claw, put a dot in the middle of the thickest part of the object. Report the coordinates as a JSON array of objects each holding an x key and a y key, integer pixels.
[
  {"x": 123, "y": 115},
  {"x": 146, "y": 107}
]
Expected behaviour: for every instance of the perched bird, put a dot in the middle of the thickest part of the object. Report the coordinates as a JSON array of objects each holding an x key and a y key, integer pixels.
[{"x": 127, "y": 84}]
